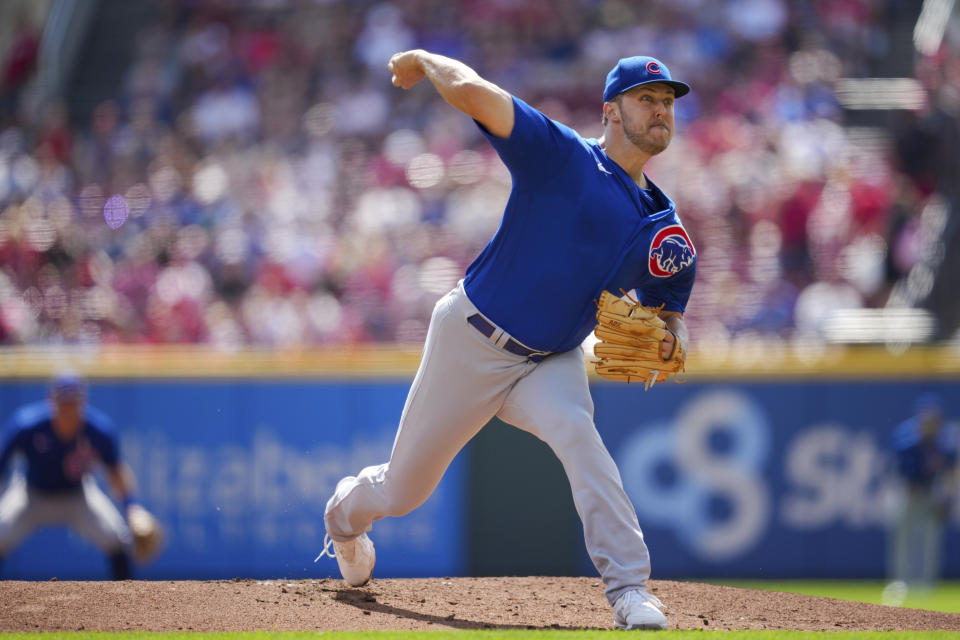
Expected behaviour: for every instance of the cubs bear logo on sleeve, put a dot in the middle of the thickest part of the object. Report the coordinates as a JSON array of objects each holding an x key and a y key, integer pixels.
[{"x": 670, "y": 251}]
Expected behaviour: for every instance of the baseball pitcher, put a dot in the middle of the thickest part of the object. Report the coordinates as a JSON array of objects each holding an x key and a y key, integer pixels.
[{"x": 583, "y": 225}]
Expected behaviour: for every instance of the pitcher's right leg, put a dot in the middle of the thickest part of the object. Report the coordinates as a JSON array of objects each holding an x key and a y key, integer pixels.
[{"x": 460, "y": 385}]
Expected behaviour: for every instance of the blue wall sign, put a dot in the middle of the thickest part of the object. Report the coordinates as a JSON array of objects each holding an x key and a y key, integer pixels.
[{"x": 239, "y": 474}]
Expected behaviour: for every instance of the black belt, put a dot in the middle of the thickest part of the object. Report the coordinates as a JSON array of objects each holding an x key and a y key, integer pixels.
[{"x": 487, "y": 328}]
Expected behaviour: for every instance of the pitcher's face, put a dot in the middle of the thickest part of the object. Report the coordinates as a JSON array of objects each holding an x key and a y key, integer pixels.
[{"x": 646, "y": 115}]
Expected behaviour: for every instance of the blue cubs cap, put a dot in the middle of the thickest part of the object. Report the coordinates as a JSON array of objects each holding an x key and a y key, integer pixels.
[
  {"x": 67, "y": 385},
  {"x": 638, "y": 70}
]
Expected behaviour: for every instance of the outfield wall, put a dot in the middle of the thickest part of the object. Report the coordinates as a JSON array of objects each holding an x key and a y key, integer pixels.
[{"x": 733, "y": 474}]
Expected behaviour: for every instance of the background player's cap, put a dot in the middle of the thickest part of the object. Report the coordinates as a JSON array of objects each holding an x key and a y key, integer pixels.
[
  {"x": 929, "y": 402},
  {"x": 638, "y": 70},
  {"x": 67, "y": 384}
]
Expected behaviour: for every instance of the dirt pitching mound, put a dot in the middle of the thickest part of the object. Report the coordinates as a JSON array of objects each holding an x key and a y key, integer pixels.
[{"x": 434, "y": 603}]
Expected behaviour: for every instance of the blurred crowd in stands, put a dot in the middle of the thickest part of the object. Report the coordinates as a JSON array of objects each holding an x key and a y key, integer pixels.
[{"x": 258, "y": 181}]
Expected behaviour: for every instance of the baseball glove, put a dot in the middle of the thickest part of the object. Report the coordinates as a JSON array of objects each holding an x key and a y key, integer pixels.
[
  {"x": 147, "y": 533},
  {"x": 629, "y": 348}
]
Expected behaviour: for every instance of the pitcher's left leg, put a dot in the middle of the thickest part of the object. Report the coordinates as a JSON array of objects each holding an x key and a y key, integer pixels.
[{"x": 553, "y": 403}]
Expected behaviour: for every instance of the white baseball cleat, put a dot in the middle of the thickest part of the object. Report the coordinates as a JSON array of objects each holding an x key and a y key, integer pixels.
[
  {"x": 637, "y": 609},
  {"x": 355, "y": 558}
]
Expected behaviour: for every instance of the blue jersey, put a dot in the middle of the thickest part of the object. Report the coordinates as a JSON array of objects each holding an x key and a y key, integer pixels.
[
  {"x": 54, "y": 465},
  {"x": 921, "y": 461},
  {"x": 575, "y": 225}
]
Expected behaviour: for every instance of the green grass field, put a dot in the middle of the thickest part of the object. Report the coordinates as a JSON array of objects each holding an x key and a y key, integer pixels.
[
  {"x": 946, "y": 597},
  {"x": 498, "y": 635}
]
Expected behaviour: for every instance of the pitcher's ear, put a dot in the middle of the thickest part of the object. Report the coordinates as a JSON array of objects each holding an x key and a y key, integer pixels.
[{"x": 611, "y": 111}]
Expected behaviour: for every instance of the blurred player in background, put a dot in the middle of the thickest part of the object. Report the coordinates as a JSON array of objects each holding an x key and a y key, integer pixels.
[
  {"x": 582, "y": 218},
  {"x": 63, "y": 441},
  {"x": 925, "y": 449}
]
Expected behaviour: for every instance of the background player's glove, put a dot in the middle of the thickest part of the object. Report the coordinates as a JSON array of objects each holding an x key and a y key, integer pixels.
[
  {"x": 147, "y": 533},
  {"x": 630, "y": 336}
]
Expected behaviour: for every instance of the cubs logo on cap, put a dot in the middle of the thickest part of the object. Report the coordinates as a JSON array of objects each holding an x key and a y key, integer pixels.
[
  {"x": 638, "y": 70},
  {"x": 670, "y": 251}
]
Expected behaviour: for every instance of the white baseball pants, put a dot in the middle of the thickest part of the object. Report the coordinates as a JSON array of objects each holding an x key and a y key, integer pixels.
[
  {"x": 463, "y": 381},
  {"x": 89, "y": 512}
]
